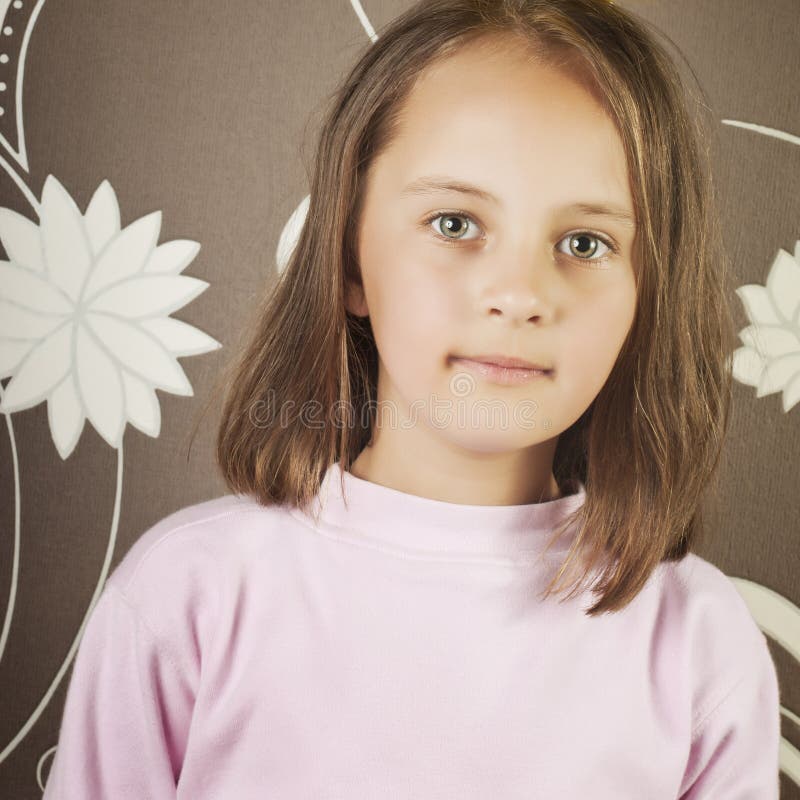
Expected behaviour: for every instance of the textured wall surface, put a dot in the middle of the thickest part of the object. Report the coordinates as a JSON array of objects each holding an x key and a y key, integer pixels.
[{"x": 163, "y": 142}]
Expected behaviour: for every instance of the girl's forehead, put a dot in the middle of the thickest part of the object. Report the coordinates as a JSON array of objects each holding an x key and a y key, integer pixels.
[
  {"x": 504, "y": 58},
  {"x": 528, "y": 134},
  {"x": 471, "y": 94},
  {"x": 507, "y": 120}
]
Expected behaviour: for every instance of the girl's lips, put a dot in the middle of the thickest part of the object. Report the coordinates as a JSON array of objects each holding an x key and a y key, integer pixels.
[
  {"x": 505, "y": 361},
  {"x": 496, "y": 374}
]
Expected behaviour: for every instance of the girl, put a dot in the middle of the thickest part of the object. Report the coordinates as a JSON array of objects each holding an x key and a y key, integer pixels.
[{"x": 372, "y": 612}]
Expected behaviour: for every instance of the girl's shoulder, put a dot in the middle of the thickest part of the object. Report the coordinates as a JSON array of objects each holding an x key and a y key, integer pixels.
[
  {"x": 702, "y": 591},
  {"x": 707, "y": 619},
  {"x": 182, "y": 561},
  {"x": 193, "y": 534},
  {"x": 719, "y": 658}
]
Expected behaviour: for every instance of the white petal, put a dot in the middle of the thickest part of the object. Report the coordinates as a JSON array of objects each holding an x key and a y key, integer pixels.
[
  {"x": 770, "y": 340},
  {"x": 12, "y": 351},
  {"x": 28, "y": 288},
  {"x": 747, "y": 366},
  {"x": 179, "y": 338},
  {"x": 65, "y": 416},
  {"x": 791, "y": 393},
  {"x": 291, "y": 233},
  {"x": 44, "y": 367},
  {"x": 778, "y": 373},
  {"x": 100, "y": 387},
  {"x": 20, "y": 323},
  {"x": 139, "y": 352},
  {"x": 141, "y": 404},
  {"x": 22, "y": 240},
  {"x": 102, "y": 217},
  {"x": 783, "y": 283},
  {"x": 125, "y": 255},
  {"x": 67, "y": 253},
  {"x": 171, "y": 258},
  {"x": 185, "y": 387},
  {"x": 149, "y": 295},
  {"x": 758, "y": 304}
]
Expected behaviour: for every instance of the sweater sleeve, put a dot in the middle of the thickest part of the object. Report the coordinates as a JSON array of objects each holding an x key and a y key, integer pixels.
[
  {"x": 736, "y": 742},
  {"x": 126, "y": 715}
]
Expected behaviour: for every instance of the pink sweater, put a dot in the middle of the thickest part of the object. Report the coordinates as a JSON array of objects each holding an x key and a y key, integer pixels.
[{"x": 397, "y": 648}]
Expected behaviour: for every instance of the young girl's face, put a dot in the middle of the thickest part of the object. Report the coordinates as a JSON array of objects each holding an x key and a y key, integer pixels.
[{"x": 503, "y": 275}]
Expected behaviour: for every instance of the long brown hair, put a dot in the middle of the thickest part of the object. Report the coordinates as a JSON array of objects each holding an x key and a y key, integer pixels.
[{"x": 301, "y": 394}]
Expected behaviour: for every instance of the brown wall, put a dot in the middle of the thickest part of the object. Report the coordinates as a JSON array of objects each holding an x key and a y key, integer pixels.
[{"x": 196, "y": 111}]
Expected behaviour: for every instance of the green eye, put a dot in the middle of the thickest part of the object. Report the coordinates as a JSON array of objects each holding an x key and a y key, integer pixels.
[
  {"x": 456, "y": 224},
  {"x": 579, "y": 241},
  {"x": 453, "y": 227}
]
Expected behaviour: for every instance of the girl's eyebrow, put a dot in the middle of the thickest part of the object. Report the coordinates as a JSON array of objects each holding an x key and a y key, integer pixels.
[{"x": 430, "y": 184}]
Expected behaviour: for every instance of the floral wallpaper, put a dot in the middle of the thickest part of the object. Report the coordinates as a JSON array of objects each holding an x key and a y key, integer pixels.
[{"x": 190, "y": 120}]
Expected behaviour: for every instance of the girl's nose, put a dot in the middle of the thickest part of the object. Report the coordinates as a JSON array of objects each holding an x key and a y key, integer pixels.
[{"x": 517, "y": 294}]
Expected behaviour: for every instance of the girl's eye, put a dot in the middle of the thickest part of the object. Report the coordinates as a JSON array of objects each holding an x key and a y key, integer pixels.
[
  {"x": 453, "y": 227},
  {"x": 583, "y": 244}
]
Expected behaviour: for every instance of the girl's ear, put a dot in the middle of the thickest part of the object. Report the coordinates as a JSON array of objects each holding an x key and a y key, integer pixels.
[{"x": 355, "y": 301}]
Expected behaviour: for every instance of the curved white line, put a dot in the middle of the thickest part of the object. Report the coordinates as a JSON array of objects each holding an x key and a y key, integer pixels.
[
  {"x": 40, "y": 765},
  {"x": 789, "y": 714},
  {"x": 112, "y": 538},
  {"x": 777, "y": 616},
  {"x": 362, "y": 18},
  {"x": 12, "y": 589},
  {"x": 23, "y": 51},
  {"x": 774, "y": 132},
  {"x": 23, "y": 187},
  {"x": 790, "y": 760},
  {"x": 21, "y": 154}
]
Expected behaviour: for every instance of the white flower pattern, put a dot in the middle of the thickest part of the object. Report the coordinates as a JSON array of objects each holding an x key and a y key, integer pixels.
[
  {"x": 84, "y": 318},
  {"x": 770, "y": 357},
  {"x": 84, "y": 325}
]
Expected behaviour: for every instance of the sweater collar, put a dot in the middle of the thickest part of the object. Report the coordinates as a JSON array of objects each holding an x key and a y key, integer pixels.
[{"x": 372, "y": 513}]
